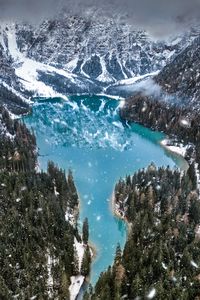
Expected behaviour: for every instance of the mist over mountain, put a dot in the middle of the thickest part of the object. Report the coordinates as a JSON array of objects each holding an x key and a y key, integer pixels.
[
  {"x": 71, "y": 53},
  {"x": 160, "y": 18}
]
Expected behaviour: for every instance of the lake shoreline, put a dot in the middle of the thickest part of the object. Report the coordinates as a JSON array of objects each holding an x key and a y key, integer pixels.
[
  {"x": 116, "y": 213},
  {"x": 98, "y": 159},
  {"x": 178, "y": 150}
]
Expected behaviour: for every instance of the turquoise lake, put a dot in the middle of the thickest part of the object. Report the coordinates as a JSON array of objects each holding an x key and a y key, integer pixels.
[{"x": 87, "y": 135}]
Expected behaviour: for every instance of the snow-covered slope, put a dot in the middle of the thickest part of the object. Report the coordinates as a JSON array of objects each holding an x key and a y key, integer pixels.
[
  {"x": 71, "y": 54},
  {"x": 37, "y": 77},
  {"x": 97, "y": 48}
]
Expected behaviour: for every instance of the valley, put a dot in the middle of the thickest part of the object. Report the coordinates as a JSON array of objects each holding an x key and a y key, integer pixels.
[
  {"x": 99, "y": 125},
  {"x": 87, "y": 136}
]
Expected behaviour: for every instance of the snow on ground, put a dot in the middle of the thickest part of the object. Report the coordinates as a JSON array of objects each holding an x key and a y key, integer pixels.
[
  {"x": 2, "y": 41},
  {"x": 104, "y": 76},
  {"x": 10, "y": 88},
  {"x": 28, "y": 74},
  {"x": 111, "y": 96},
  {"x": 164, "y": 266},
  {"x": 194, "y": 264},
  {"x": 76, "y": 283},
  {"x": 12, "y": 43},
  {"x": 80, "y": 250},
  {"x": 27, "y": 69},
  {"x": 69, "y": 216},
  {"x": 125, "y": 76},
  {"x": 180, "y": 150},
  {"x": 197, "y": 175},
  {"x": 185, "y": 123},
  {"x": 50, "y": 278},
  {"x": 70, "y": 66},
  {"x": 151, "y": 294},
  {"x": 122, "y": 103},
  {"x": 133, "y": 80}
]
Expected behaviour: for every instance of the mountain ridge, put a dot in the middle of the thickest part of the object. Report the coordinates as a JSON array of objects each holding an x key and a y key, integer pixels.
[{"x": 70, "y": 54}]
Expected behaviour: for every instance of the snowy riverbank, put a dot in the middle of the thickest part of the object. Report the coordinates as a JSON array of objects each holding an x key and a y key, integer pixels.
[{"x": 178, "y": 148}]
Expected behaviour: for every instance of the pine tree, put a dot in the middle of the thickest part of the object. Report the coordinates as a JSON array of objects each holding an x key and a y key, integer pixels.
[
  {"x": 85, "y": 231},
  {"x": 192, "y": 175},
  {"x": 75, "y": 263},
  {"x": 64, "y": 288},
  {"x": 118, "y": 255},
  {"x": 4, "y": 291},
  {"x": 86, "y": 262}
]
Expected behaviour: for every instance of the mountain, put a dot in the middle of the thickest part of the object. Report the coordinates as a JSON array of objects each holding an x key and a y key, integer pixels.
[
  {"x": 177, "y": 85},
  {"x": 99, "y": 49},
  {"x": 181, "y": 77},
  {"x": 72, "y": 54}
]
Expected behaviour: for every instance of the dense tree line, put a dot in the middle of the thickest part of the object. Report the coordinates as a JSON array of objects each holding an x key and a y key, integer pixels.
[
  {"x": 161, "y": 258},
  {"x": 179, "y": 123},
  {"x": 162, "y": 253},
  {"x": 37, "y": 252},
  {"x": 18, "y": 145},
  {"x": 171, "y": 119}
]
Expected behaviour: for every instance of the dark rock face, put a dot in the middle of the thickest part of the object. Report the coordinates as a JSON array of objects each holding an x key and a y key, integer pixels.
[
  {"x": 182, "y": 76},
  {"x": 124, "y": 52},
  {"x": 66, "y": 86},
  {"x": 113, "y": 67},
  {"x": 93, "y": 67}
]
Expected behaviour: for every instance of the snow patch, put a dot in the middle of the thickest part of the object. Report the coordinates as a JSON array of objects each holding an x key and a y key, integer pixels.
[
  {"x": 180, "y": 150},
  {"x": 194, "y": 264},
  {"x": 104, "y": 76},
  {"x": 197, "y": 175},
  {"x": 151, "y": 294},
  {"x": 164, "y": 266},
  {"x": 185, "y": 123},
  {"x": 28, "y": 70},
  {"x": 80, "y": 251},
  {"x": 50, "y": 278},
  {"x": 135, "y": 79},
  {"x": 75, "y": 286},
  {"x": 69, "y": 217},
  {"x": 70, "y": 66}
]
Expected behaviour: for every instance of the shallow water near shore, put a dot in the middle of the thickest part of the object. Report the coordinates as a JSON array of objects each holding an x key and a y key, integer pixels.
[{"x": 87, "y": 135}]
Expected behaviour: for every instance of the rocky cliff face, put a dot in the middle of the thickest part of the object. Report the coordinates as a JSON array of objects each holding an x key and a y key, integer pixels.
[
  {"x": 177, "y": 83},
  {"x": 71, "y": 54},
  {"x": 99, "y": 49}
]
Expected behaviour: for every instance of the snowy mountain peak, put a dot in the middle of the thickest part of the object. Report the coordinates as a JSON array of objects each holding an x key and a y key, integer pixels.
[{"x": 71, "y": 54}]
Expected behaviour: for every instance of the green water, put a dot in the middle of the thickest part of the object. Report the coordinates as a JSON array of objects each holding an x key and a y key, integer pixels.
[{"x": 87, "y": 136}]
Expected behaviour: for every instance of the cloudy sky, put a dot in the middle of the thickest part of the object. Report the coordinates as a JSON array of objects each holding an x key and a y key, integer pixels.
[{"x": 158, "y": 16}]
